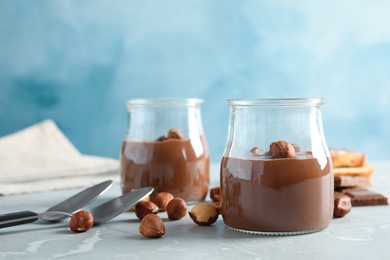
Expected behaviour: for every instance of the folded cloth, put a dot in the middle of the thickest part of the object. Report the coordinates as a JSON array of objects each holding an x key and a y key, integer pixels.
[{"x": 41, "y": 158}]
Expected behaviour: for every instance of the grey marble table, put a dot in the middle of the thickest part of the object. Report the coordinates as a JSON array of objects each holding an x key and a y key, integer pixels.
[{"x": 362, "y": 234}]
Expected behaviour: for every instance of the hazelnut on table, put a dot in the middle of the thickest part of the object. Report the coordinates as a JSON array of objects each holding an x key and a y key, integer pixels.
[
  {"x": 144, "y": 208},
  {"x": 215, "y": 194},
  {"x": 162, "y": 199},
  {"x": 176, "y": 209},
  {"x": 81, "y": 221},
  {"x": 204, "y": 213},
  {"x": 152, "y": 226}
]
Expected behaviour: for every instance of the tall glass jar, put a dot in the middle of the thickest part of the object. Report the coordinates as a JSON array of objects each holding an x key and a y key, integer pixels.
[
  {"x": 165, "y": 147},
  {"x": 276, "y": 170}
]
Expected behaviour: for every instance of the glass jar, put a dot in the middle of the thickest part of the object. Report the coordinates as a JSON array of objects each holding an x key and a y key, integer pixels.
[
  {"x": 276, "y": 170},
  {"x": 165, "y": 147}
]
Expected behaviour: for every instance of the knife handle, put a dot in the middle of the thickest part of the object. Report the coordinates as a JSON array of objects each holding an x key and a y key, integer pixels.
[{"x": 17, "y": 218}]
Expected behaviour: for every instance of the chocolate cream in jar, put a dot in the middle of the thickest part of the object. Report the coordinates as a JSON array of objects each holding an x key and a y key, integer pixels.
[
  {"x": 165, "y": 147},
  {"x": 272, "y": 192}
]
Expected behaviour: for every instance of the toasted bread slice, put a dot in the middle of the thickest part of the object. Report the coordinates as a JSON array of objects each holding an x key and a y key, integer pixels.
[
  {"x": 365, "y": 171},
  {"x": 346, "y": 158}
]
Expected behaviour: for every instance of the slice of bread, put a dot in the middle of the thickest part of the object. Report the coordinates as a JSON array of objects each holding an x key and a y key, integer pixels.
[
  {"x": 347, "y": 158},
  {"x": 350, "y": 168},
  {"x": 365, "y": 171}
]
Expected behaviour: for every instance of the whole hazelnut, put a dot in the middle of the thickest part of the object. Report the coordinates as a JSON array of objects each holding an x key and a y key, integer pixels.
[
  {"x": 215, "y": 193},
  {"x": 144, "y": 208},
  {"x": 217, "y": 204},
  {"x": 152, "y": 226},
  {"x": 161, "y": 139},
  {"x": 162, "y": 199},
  {"x": 177, "y": 208},
  {"x": 204, "y": 214},
  {"x": 281, "y": 149},
  {"x": 175, "y": 134},
  {"x": 81, "y": 221}
]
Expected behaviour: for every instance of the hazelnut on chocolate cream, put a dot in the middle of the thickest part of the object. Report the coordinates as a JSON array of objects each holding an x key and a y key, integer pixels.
[
  {"x": 281, "y": 149},
  {"x": 255, "y": 151},
  {"x": 175, "y": 134}
]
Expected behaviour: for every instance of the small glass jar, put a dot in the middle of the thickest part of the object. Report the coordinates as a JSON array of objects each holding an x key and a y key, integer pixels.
[
  {"x": 165, "y": 147},
  {"x": 276, "y": 170}
]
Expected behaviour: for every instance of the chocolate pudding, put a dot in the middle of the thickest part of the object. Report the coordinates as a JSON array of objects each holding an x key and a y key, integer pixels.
[
  {"x": 178, "y": 166},
  {"x": 290, "y": 195}
]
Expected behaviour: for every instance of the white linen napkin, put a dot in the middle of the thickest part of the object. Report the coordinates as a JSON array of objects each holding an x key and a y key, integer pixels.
[{"x": 40, "y": 158}]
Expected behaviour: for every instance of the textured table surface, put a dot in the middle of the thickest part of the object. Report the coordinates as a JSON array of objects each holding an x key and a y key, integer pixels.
[{"x": 362, "y": 234}]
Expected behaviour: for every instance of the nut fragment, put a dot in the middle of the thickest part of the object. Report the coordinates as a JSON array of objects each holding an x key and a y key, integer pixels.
[
  {"x": 175, "y": 134},
  {"x": 204, "y": 213},
  {"x": 177, "y": 208},
  {"x": 255, "y": 151},
  {"x": 342, "y": 205},
  {"x": 152, "y": 226},
  {"x": 281, "y": 149},
  {"x": 162, "y": 199},
  {"x": 81, "y": 221},
  {"x": 215, "y": 193},
  {"x": 144, "y": 208}
]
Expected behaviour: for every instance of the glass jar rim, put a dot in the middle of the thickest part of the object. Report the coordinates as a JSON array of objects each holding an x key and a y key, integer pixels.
[
  {"x": 282, "y": 102},
  {"x": 163, "y": 102}
]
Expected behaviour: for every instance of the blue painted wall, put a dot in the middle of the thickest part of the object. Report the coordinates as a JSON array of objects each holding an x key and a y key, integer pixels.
[{"x": 77, "y": 61}]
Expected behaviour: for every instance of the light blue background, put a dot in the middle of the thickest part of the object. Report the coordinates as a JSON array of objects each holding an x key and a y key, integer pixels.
[{"x": 77, "y": 61}]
